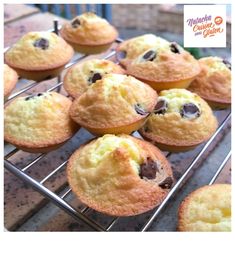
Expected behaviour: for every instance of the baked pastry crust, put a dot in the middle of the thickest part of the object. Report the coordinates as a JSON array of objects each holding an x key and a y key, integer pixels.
[
  {"x": 104, "y": 174},
  {"x": 89, "y": 29},
  {"x": 80, "y": 76},
  {"x": 136, "y": 46},
  {"x": 163, "y": 64},
  {"x": 26, "y": 56},
  {"x": 214, "y": 82},
  {"x": 115, "y": 104},
  {"x": 10, "y": 80},
  {"x": 206, "y": 209},
  {"x": 38, "y": 122},
  {"x": 171, "y": 131}
]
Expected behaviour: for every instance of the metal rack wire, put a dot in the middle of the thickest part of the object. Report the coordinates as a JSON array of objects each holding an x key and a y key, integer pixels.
[{"x": 81, "y": 215}]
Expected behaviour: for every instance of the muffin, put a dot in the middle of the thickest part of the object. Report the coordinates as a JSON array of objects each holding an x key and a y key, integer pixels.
[
  {"x": 10, "y": 80},
  {"x": 180, "y": 121},
  {"x": 130, "y": 49},
  {"x": 113, "y": 105},
  {"x": 82, "y": 75},
  {"x": 119, "y": 175},
  {"x": 206, "y": 209},
  {"x": 89, "y": 33},
  {"x": 214, "y": 82},
  {"x": 39, "y": 55},
  {"x": 163, "y": 66},
  {"x": 38, "y": 123}
]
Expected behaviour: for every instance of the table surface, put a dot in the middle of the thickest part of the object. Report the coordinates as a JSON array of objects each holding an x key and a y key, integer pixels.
[{"x": 27, "y": 210}]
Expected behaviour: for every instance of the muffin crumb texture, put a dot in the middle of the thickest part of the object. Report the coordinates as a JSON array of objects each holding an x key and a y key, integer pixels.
[{"x": 207, "y": 209}]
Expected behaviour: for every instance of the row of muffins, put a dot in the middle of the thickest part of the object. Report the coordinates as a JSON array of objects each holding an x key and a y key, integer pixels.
[
  {"x": 119, "y": 104},
  {"x": 139, "y": 166}
]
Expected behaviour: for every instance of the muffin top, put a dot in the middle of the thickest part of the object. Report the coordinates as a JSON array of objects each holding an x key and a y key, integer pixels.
[
  {"x": 89, "y": 29},
  {"x": 119, "y": 175},
  {"x": 39, "y": 51},
  {"x": 163, "y": 62},
  {"x": 82, "y": 75},
  {"x": 38, "y": 120},
  {"x": 180, "y": 118},
  {"x": 113, "y": 101},
  {"x": 214, "y": 81},
  {"x": 10, "y": 79},
  {"x": 207, "y": 209},
  {"x": 130, "y": 49}
]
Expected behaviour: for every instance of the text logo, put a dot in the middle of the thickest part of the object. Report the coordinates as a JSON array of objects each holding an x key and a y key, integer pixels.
[{"x": 205, "y": 25}]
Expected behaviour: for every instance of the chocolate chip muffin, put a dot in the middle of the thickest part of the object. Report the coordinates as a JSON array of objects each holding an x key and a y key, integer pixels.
[
  {"x": 39, "y": 55},
  {"x": 164, "y": 66},
  {"x": 38, "y": 123},
  {"x": 10, "y": 80},
  {"x": 180, "y": 121},
  {"x": 206, "y": 209},
  {"x": 119, "y": 175},
  {"x": 130, "y": 49},
  {"x": 89, "y": 33},
  {"x": 214, "y": 82},
  {"x": 82, "y": 75},
  {"x": 115, "y": 104}
]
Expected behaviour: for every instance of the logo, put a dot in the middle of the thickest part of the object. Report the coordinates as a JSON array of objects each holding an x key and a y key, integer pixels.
[
  {"x": 205, "y": 25},
  {"x": 218, "y": 20}
]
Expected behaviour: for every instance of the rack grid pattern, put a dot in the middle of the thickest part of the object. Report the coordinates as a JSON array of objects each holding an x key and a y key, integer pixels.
[{"x": 81, "y": 214}]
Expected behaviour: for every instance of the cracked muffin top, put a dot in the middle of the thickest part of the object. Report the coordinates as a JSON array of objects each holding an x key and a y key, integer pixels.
[
  {"x": 206, "y": 209},
  {"x": 89, "y": 29},
  {"x": 119, "y": 175},
  {"x": 38, "y": 120},
  {"x": 82, "y": 75},
  {"x": 39, "y": 51},
  {"x": 180, "y": 118},
  {"x": 130, "y": 49},
  {"x": 165, "y": 62},
  {"x": 113, "y": 101},
  {"x": 214, "y": 81}
]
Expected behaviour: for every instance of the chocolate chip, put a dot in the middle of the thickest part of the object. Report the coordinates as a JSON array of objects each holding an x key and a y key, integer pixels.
[
  {"x": 227, "y": 63},
  {"x": 190, "y": 110},
  {"x": 139, "y": 110},
  {"x": 121, "y": 55},
  {"x": 149, "y": 55},
  {"x": 94, "y": 77},
  {"x": 75, "y": 23},
  {"x": 41, "y": 43},
  {"x": 29, "y": 97},
  {"x": 161, "y": 107},
  {"x": 148, "y": 169},
  {"x": 33, "y": 96},
  {"x": 175, "y": 48},
  {"x": 166, "y": 183}
]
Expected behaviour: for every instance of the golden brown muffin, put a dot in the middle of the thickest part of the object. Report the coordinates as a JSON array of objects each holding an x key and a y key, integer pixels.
[
  {"x": 163, "y": 66},
  {"x": 119, "y": 175},
  {"x": 115, "y": 104},
  {"x": 82, "y": 75},
  {"x": 89, "y": 33},
  {"x": 10, "y": 80},
  {"x": 206, "y": 209},
  {"x": 214, "y": 82},
  {"x": 39, "y": 55},
  {"x": 180, "y": 121},
  {"x": 130, "y": 49},
  {"x": 38, "y": 123}
]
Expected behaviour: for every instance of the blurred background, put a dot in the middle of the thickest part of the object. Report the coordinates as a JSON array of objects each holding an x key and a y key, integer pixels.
[{"x": 131, "y": 20}]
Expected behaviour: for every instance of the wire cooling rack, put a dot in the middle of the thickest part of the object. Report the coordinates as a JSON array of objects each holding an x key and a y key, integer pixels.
[{"x": 82, "y": 215}]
